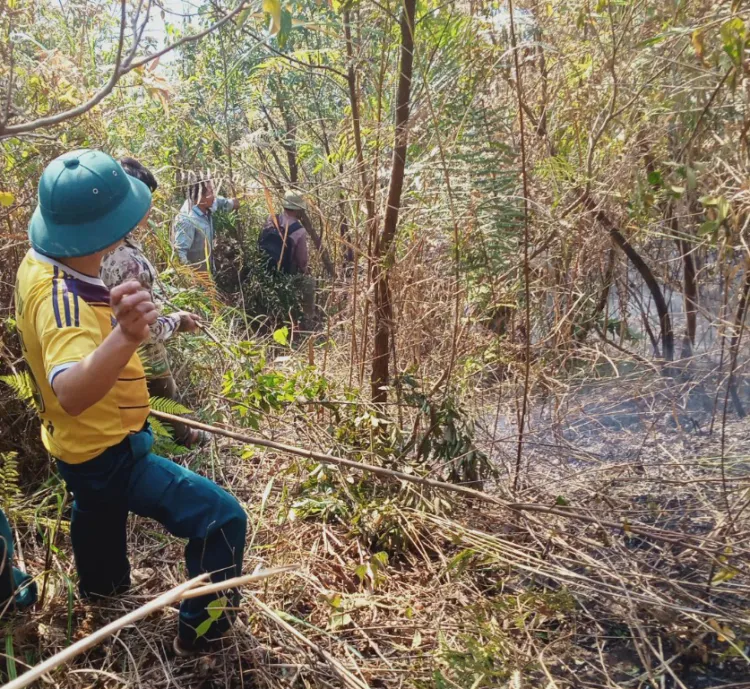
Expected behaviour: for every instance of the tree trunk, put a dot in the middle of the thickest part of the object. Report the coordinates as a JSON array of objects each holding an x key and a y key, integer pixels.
[
  {"x": 324, "y": 256},
  {"x": 734, "y": 346},
  {"x": 667, "y": 336},
  {"x": 689, "y": 289},
  {"x": 384, "y": 246},
  {"x": 601, "y": 303},
  {"x": 289, "y": 142}
]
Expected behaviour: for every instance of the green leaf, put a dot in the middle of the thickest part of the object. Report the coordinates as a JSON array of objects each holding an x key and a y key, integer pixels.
[
  {"x": 285, "y": 29},
  {"x": 720, "y": 203},
  {"x": 203, "y": 627},
  {"x": 242, "y": 16},
  {"x": 281, "y": 336},
  {"x": 361, "y": 572},
  {"x": 10, "y": 658},
  {"x": 6, "y": 198},
  {"x": 724, "y": 575},
  {"x": 734, "y": 35},
  {"x": 168, "y": 406},
  {"x": 708, "y": 200},
  {"x": 562, "y": 501},
  {"x": 708, "y": 227},
  {"x": 335, "y": 601},
  {"x": 654, "y": 40},
  {"x": 722, "y": 208},
  {"x": 216, "y": 607},
  {"x": 655, "y": 179},
  {"x": 273, "y": 9}
]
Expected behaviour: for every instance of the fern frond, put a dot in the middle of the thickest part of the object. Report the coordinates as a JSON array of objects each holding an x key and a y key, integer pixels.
[
  {"x": 168, "y": 406},
  {"x": 10, "y": 490},
  {"x": 161, "y": 430},
  {"x": 21, "y": 384},
  {"x": 167, "y": 446}
]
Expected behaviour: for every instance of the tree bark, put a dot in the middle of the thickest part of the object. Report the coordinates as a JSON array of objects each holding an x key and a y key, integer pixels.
[
  {"x": 689, "y": 288},
  {"x": 384, "y": 246},
  {"x": 324, "y": 256},
  {"x": 734, "y": 346},
  {"x": 667, "y": 336}
]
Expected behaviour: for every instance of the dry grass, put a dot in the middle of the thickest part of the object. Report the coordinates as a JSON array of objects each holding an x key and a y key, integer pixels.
[{"x": 476, "y": 597}]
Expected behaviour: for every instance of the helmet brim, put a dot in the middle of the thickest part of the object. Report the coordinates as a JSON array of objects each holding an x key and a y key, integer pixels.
[{"x": 69, "y": 241}]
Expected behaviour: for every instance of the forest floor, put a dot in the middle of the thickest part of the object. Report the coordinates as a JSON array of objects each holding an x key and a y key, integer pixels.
[{"x": 400, "y": 588}]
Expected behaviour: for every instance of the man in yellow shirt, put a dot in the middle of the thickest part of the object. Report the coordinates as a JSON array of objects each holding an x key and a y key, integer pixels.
[{"x": 80, "y": 342}]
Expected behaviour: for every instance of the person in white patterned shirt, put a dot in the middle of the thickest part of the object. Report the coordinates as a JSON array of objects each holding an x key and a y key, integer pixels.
[{"x": 128, "y": 262}]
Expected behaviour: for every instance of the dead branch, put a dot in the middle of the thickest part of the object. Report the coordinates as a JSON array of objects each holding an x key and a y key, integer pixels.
[
  {"x": 120, "y": 69},
  {"x": 672, "y": 537}
]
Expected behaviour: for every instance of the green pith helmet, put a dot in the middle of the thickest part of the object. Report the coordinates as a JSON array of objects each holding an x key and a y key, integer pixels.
[
  {"x": 86, "y": 203},
  {"x": 293, "y": 202}
]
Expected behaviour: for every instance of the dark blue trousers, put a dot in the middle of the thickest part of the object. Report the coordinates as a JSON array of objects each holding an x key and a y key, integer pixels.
[{"x": 129, "y": 478}]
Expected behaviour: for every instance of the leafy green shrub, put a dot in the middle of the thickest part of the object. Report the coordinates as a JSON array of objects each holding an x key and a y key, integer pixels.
[
  {"x": 240, "y": 269},
  {"x": 255, "y": 389},
  {"x": 448, "y": 445}
]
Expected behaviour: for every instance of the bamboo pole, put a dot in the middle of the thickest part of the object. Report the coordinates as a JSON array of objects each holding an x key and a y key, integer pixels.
[
  {"x": 236, "y": 581},
  {"x": 674, "y": 537},
  {"x": 181, "y": 592}
]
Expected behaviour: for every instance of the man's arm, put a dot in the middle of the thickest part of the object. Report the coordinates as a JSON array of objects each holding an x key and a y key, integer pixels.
[
  {"x": 85, "y": 383},
  {"x": 224, "y": 204},
  {"x": 129, "y": 263},
  {"x": 184, "y": 234}
]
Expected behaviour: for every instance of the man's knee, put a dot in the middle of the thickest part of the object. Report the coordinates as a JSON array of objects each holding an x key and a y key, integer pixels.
[{"x": 234, "y": 519}]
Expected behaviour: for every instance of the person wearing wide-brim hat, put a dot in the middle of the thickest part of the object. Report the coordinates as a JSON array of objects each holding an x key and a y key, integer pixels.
[
  {"x": 80, "y": 342},
  {"x": 285, "y": 240}
]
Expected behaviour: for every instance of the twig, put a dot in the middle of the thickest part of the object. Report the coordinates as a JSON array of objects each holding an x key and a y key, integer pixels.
[
  {"x": 83, "y": 107},
  {"x": 118, "y": 71},
  {"x": 100, "y": 635},
  {"x": 234, "y": 582}
]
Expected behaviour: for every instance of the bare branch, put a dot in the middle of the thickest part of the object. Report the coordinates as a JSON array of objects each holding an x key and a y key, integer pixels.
[
  {"x": 9, "y": 91},
  {"x": 120, "y": 69},
  {"x": 189, "y": 39},
  {"x": 83, "y": 107}
]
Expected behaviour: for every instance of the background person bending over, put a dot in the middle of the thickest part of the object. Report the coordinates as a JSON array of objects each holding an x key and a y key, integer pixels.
[
  {"x": 284, "y": 240},
  {"x": 128, "y": 262},
  {"x": 194, "y": 224}
]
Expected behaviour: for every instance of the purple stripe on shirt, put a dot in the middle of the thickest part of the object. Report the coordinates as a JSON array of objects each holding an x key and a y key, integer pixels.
[
  {"x": 91, "y": 294},
  {"x": 55, "y": 305}
]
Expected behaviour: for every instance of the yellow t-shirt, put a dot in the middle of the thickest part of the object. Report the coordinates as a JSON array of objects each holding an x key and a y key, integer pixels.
[{"x": 62, "y": 317}]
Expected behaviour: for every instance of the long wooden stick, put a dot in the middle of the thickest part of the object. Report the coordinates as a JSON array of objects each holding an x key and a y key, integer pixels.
[
  {"x": 186, "y": 590},
  {"x": 674, "y": 537},
  {"x": 236, "y": 581}
]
